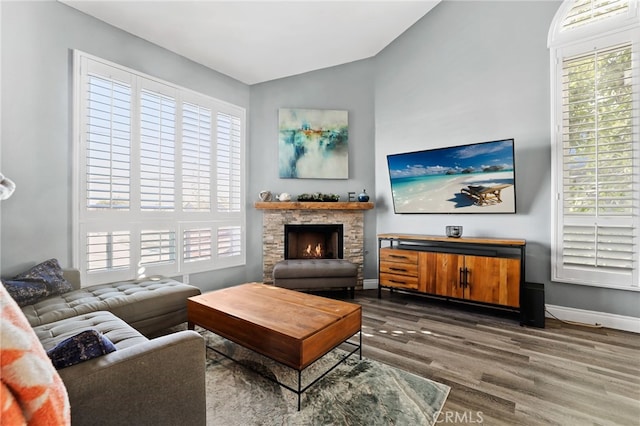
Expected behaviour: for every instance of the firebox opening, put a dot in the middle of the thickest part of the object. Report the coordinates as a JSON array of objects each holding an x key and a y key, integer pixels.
[{"x": 313, "y": 241}]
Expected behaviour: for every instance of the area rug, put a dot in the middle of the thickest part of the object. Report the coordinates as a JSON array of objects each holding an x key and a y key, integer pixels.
[{"x": 358, "y": 392}]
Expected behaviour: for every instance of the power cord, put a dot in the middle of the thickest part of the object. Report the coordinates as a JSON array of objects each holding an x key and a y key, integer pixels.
[{"x": 582, "y": 324}]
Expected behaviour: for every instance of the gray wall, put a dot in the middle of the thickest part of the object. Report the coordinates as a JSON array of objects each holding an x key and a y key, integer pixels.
[
  {"x": 473, "y": 72},
  {"x": 346, "y": 87},
  {"x": 37, "y": 43}
]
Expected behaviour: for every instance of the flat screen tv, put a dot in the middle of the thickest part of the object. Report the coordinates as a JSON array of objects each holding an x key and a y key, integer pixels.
[{"x": 473, "y": 178}]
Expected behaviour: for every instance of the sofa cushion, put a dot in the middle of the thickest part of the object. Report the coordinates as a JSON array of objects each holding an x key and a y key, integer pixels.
[
  {"x": 50, "y": 273},
  {"x": 86, "y": 345},
  {"x": 26, "y": 292},
  {"x": 121, "y": 334},
  {"x": 134, "y": 302},
  {"x": 315, "y": 268}
]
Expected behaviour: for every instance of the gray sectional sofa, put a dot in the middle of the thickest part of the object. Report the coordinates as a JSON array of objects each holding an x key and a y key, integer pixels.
[
  {"x": 158, "y": 381},
  {"x": 147, "y": 305}
]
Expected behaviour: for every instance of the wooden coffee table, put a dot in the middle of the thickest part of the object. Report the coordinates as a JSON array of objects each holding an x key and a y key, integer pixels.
[{"x": 293, "y": 328}]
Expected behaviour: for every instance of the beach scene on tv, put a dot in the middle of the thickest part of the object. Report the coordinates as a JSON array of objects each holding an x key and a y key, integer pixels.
[{"x": 475, "y": 178}]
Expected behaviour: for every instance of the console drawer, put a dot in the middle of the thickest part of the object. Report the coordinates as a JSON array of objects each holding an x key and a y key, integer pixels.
[
  {"x": 400, "y": 281},
  {"x": 398, "y": 256},
  {"x": 399, "y": 268}
]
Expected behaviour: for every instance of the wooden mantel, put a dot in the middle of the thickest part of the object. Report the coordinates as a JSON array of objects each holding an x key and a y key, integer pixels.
[{"x": 312, "y": 205}]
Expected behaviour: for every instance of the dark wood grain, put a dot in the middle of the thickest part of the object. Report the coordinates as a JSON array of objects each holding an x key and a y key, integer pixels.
[{"x": 501, "y": 373}]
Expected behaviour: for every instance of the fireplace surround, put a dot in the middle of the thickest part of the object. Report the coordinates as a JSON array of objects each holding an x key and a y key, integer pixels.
[{"x": 278, "y": 214}]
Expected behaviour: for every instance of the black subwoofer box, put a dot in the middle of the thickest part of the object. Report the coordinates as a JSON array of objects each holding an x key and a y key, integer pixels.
[{"x": 532, "y": 305}]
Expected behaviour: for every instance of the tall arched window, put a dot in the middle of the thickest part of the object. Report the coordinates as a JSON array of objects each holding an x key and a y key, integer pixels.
[{"x": 595, "y": 104}]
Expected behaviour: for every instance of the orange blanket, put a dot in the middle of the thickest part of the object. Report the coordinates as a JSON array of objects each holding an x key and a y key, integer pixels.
[{"x": 32, "y": 392}]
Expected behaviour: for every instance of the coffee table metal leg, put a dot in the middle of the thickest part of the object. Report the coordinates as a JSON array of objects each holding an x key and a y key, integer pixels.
[
  {"x": 299, "y": 387},
  {"x": 301, "y": 390}
]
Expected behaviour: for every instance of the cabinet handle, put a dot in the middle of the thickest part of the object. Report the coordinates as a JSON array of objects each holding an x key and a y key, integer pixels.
[
  {"x": 398, "y": 257},
  {"x": 398, "y": 269},
  {"x": 397, "y": 282},
  {"x": 466, "y": 277}
]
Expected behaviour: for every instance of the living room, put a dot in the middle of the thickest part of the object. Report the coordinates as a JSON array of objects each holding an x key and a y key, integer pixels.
[
  {"x": 453, "y": 91},
  {"x": 467, "y": 72}
]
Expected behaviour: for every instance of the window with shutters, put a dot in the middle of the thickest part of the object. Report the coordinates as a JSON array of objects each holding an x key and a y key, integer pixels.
[
  {"x": 159, "y": 176},
  {"x": 595, "y": 57}
]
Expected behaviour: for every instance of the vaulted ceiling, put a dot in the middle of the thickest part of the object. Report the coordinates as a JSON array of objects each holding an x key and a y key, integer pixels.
[{"x": 257, "y": 41}]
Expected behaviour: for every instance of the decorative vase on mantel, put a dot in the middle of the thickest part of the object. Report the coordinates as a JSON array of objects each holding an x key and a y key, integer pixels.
[
  {"x": 363, "y": 196},
  {"x": 265, "y": 195},
  {"x": 284, "y": 197}
]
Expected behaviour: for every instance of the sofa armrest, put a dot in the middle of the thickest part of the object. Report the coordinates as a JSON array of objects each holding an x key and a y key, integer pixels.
[
  {"x": 73, "y": 276},
  {"x": 161, "y": 381}
]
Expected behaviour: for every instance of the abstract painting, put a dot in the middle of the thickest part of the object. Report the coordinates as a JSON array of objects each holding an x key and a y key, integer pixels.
[{"x": 313, "y": 144}]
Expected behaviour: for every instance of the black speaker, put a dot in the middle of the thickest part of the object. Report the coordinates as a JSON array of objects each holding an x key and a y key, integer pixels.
[{"x": 532, "y": 305}]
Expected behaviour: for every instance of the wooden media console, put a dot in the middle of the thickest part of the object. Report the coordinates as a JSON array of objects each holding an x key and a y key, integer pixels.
[{"x": 484, "y": 271}]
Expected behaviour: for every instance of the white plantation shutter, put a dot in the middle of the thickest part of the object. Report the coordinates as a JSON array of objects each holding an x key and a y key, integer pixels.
[
  {"x": 229, "y": 241},
  {"x": 597, "y": 144},
  {"x": 197, "y": 244},
  {"x": 196, "y": 158},
  {"x": 597, "y": 133},
  {"x": 108, "y": 136},
  {"x": 588, "y": 11},
  {"x": 151, "y": 158},
  {"x": 228, "y": 161},
  {"x": 108, "y": 251},
  {"x": 157, "y": 151},
  {"x": 157, "y": 247},
  {"x": 599, "y": 246}
]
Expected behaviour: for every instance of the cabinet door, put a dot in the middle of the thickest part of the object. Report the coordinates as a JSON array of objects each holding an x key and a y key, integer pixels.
[
  {"x": 427, "y": 268},
  {"x": 493, "y": 280},
  {"x": 448, "y": 267}
]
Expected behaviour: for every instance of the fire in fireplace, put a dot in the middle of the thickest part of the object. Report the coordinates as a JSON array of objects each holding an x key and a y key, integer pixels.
[{"x": 313, "y": 241}]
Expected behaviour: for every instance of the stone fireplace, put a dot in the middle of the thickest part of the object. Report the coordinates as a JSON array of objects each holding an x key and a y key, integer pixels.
[{"x": 279, "y": 214}]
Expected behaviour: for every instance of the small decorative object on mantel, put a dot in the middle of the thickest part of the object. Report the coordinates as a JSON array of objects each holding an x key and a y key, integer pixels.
[
  {"x": 284, "y": 197},
  {"x": 454, "y": 231},
  {"x": 351, "y": 196},
  {"x": 363, "y": 196},
  {"x": 265, "y": 195},
  {"x": 319, "y": 197}
]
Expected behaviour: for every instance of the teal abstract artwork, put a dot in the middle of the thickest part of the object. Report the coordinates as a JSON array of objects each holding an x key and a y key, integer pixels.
[{"x": 313, "y": 144}]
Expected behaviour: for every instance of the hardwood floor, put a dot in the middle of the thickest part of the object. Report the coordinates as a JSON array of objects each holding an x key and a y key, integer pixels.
[{"x": 501, "y": 373}]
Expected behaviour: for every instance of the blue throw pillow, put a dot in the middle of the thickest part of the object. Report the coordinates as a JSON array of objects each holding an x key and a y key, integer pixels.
[
  {"x": 27, "y": 291},
  {"x": 50, "y": 272},
  {"x": 82, "y": 347}
]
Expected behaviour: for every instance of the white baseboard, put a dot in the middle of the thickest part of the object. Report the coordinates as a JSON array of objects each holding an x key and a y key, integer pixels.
[
  {"x": 618, "y": 322},
  {"x": 370, "y": 284}
]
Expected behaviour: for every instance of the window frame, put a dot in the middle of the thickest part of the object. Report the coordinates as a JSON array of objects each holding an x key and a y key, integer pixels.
[
  {"x": 585, "y": 39},
  {"x": 136, "y": 219}
]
